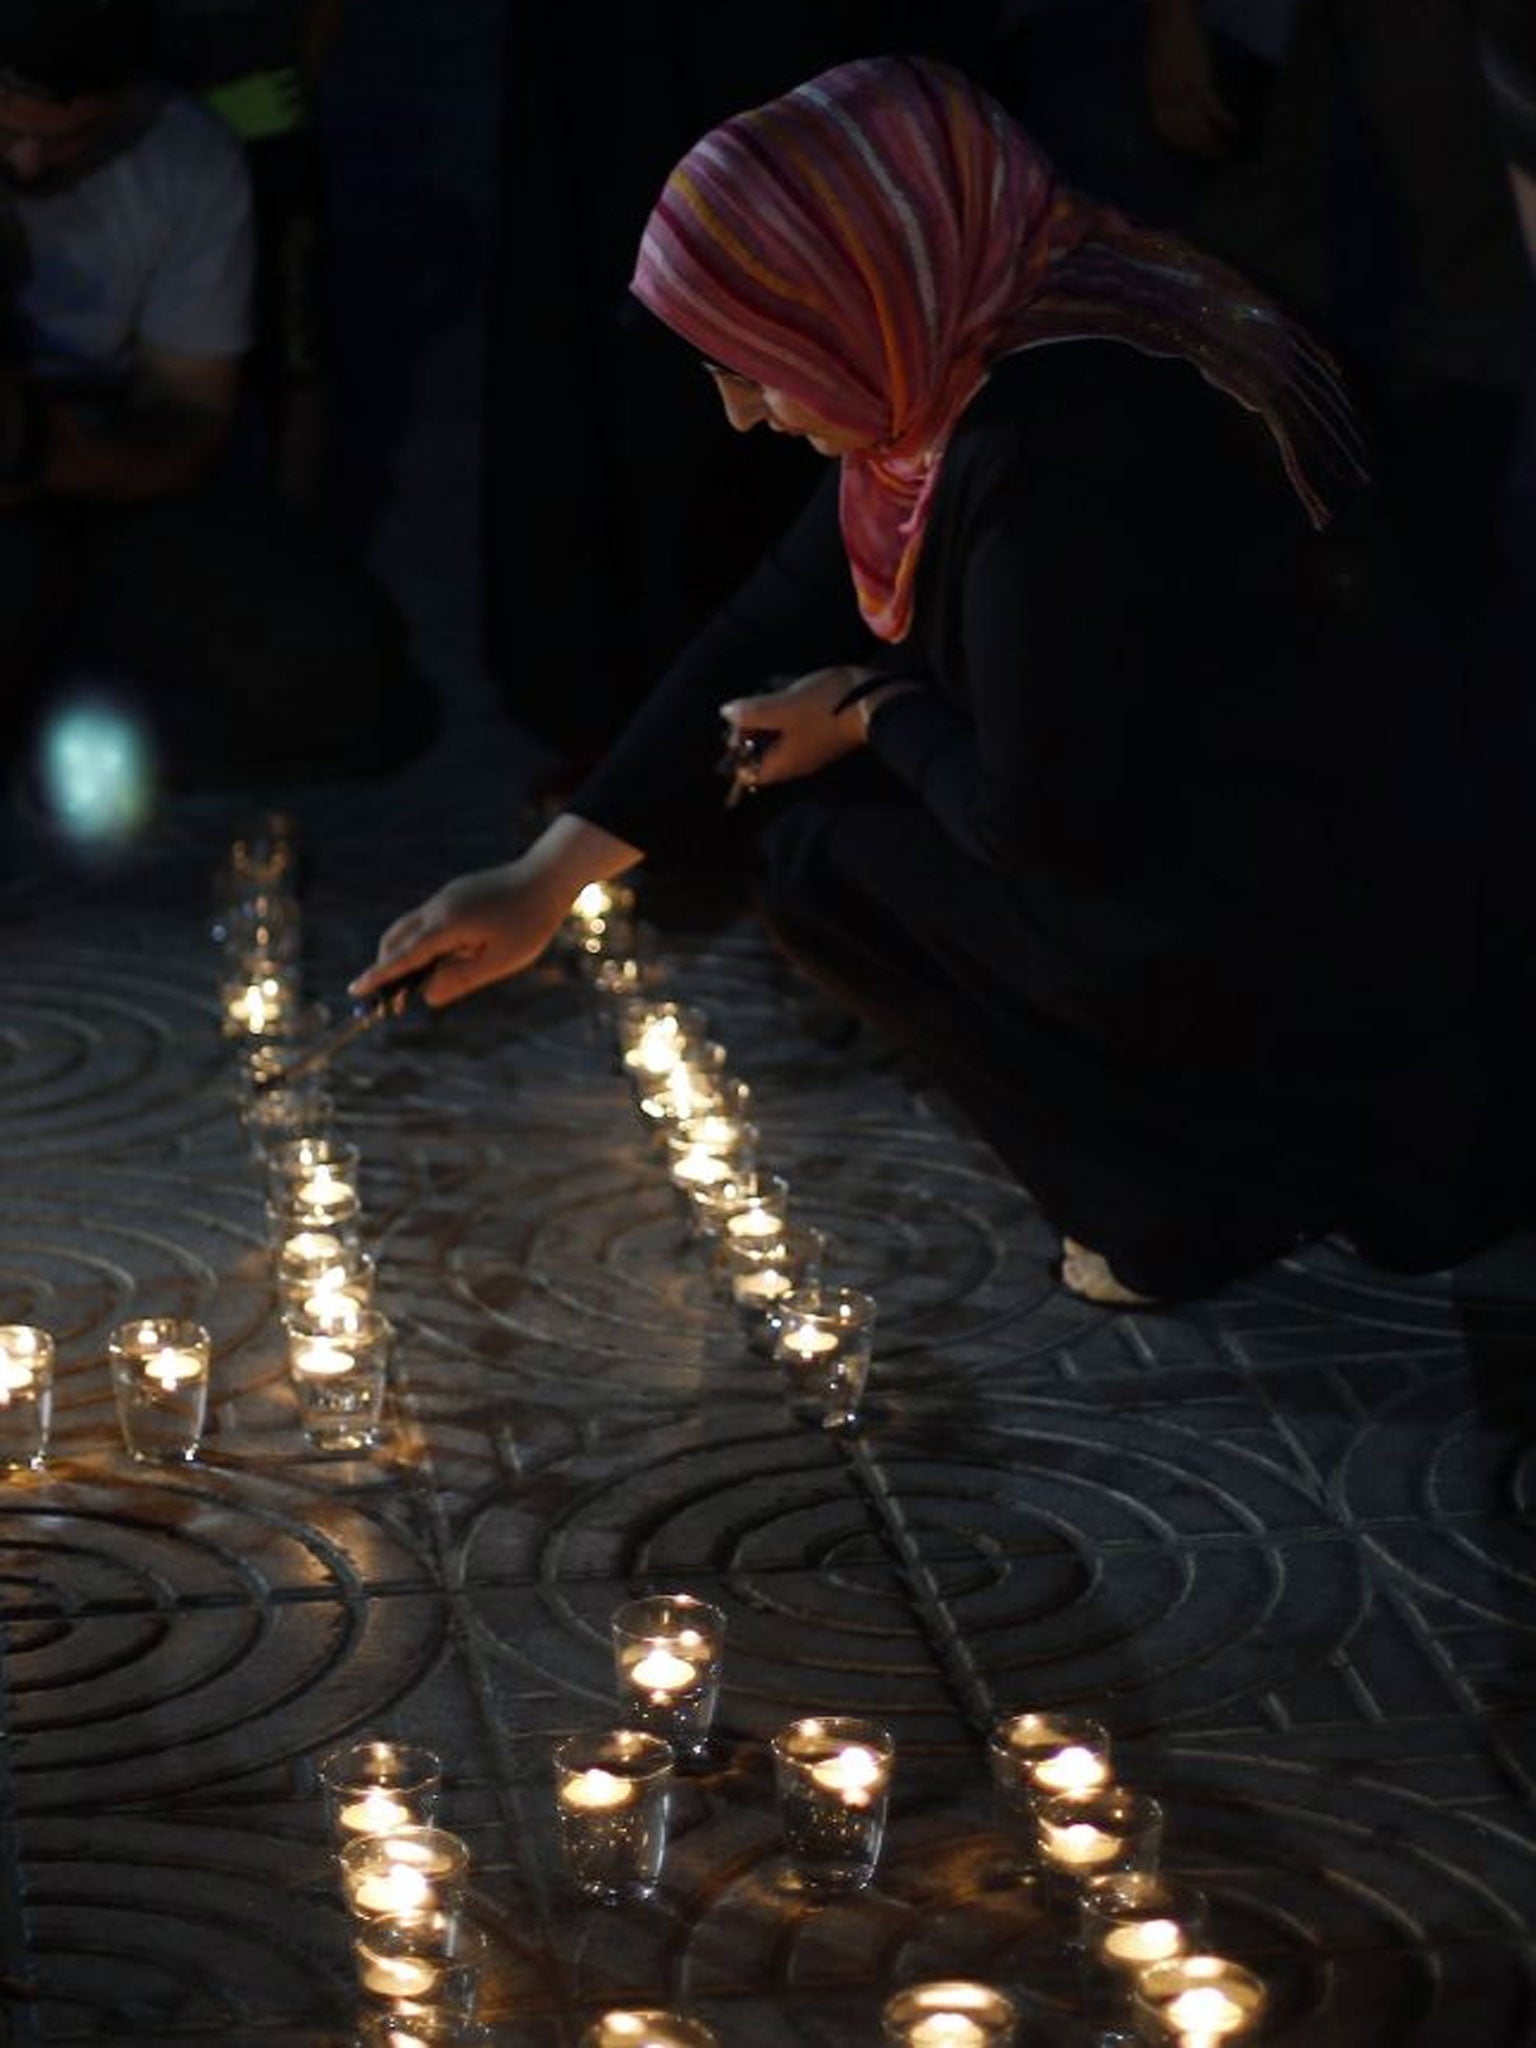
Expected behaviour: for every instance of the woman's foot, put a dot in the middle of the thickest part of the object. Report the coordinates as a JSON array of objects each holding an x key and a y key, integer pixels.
[{"x": 1088, "y": 1275}]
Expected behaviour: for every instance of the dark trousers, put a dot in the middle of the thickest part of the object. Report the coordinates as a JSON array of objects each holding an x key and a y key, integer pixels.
[
  {"x": 249, "y": 646},
  {"x": 1185, "y": 1140}
]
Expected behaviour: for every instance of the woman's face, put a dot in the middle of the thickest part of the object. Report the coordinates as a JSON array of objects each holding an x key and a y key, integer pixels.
[{"x": 748, "y": 404}]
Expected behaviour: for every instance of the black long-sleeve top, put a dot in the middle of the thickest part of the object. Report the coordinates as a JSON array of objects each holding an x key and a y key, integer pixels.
[{"x": 1145, "y": 678}]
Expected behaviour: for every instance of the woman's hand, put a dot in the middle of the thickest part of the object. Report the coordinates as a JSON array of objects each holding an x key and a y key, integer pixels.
[
  {"x": 497, "y": 921},
  {"x": 478, "y": 929},
  {"x": 803, "y": 732}
]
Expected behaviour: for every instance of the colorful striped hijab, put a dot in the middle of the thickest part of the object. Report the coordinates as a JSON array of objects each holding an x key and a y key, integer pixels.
[{"x": 873, "y": 241}]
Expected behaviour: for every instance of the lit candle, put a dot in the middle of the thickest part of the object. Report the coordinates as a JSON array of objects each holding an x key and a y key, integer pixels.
[
  {"x": 755, "y": 1223},
  {"x": 1143, "y": 1942},
  {"x": 662, "y": 1672},
  {"x": 854, "y": 1774},
  {"x": 597, "y": 1791},
  {"x": 595, "y": 900},
  {"x": 1074, "y": 1772},
  {"x": 1204, "y": 2017},
  {"x": 1081, "y": 1846},
  {"x": 377, "y": 1812},
  {"x": 700, "y": 1166},
  {"x": 947, "y": 2030},
  {"x": 397, "y": 1890},
  {"x": 807, "y": 1342},
  {"x": 755, "y": 1289},
  {"x": 324, "y": 1193},
  {"x": 658, "y": 1048},
  {"x": 260, "y": 1006},
  {"x": 321, "y": 1357},
  {"x": 949, "y": 2013},
  {"x": 170, "y": 1368},
  {"x": 402, "y": 1977},
  {"x": 23, "y": 1351}
]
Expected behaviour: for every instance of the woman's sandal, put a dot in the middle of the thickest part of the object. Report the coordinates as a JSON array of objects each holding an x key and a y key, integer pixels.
[{"x": 1088, "y": 1275}]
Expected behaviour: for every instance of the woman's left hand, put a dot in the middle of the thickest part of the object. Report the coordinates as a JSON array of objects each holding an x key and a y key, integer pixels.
[{"x": 801, "y": 728}]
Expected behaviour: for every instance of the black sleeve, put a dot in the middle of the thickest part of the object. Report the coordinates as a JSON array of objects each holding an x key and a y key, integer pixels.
[
  {"x": 657, "y": 786},
  {"x": 1032, "y": 765},
  {"x": 1104, "y": 552}
]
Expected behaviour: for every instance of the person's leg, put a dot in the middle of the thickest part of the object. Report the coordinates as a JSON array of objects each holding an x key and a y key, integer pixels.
[
  {"x": 259, "y": 649},
  {"x": 886, "y": 914}
]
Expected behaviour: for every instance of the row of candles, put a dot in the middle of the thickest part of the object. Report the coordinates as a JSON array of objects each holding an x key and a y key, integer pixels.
[
  {"x": 1094, "y": 1843},
  {"x": 338, "y": 1343},
  {"x": 770, "y": 1264}
]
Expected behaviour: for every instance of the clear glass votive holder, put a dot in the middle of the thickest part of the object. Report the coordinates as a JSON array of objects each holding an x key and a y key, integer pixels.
[
  {"x": 949, "y": 2013},
  {"x": 262, "y": 1062},
  {"x": 667, "y": 1650},
  {"x": 339, "y": 1376},
  {"x": 621, "y": 978},
  {"x": 761, "y": 1219},
  {"x": 1036, "y": 1756},
  {"x": 314, "y": 1180},
  {"x": 699, "y": 1085},
  {"x": 263, "y": 850},
  {"x": 424, "y": 2029},
  {"x": 707, "y": 1151},
  {"x": 1110, "y": 1831},
  {"x": 337, "y": 1302},
  {"x": 372, "y": 1788},
  {"x": 1198, "y": 2001},
  {"x": 823, "y": 1341},
  {"x": 307, "y": 1260},
  {"x": 160, "y": 1385},
  {"x": 26, "y": 1395},
  {"x": 425, "y": 1963},
  {"x": 1128, "y": 1921},
  {"x": 277, "y": 1115},
  {"x": 647, "y": 2027},
  {"x": 713, "y": 1206},
  {"x": 260, "y": 924},
  {"x": 409, "y": 1871},
  {"x": 833, "y": 1775},
  {"x": 261, "y": 1000},
  {"x": 611, "y": 1797},
  {"x": 759, "y": 1275}
]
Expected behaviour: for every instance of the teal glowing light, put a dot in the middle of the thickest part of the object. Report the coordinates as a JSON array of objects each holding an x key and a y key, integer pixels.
[{"x": 98, "y": 771}]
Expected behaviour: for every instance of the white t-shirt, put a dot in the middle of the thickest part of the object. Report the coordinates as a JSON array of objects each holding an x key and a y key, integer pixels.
[{"x": 155, "y": 246}]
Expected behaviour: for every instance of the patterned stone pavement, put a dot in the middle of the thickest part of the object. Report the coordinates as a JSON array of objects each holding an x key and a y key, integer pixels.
[{"x": 1279, "y": 1541}]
